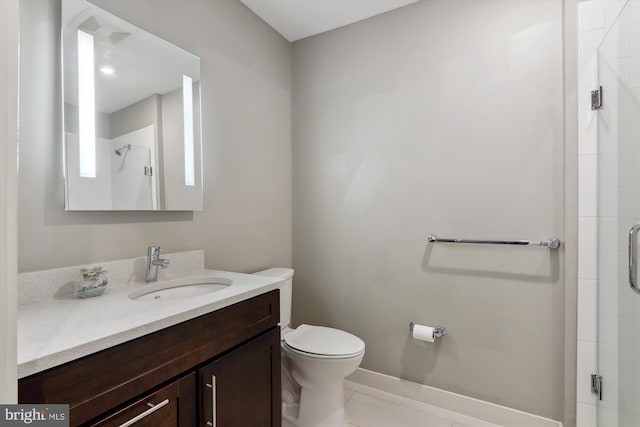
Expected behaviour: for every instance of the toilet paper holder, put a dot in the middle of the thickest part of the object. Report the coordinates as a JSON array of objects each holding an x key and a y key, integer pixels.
[{"x": 438, "y": 331}]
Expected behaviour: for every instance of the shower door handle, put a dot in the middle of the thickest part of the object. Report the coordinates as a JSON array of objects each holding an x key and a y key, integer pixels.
[{"x": 633, "y": 258}]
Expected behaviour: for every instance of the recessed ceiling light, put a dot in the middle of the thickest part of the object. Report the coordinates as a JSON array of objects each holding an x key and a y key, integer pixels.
[{"x": 107, "y": 70}]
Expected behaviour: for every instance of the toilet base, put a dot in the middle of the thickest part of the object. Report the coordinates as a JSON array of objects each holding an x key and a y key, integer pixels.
[
  {"x": 322, "y": 406},
  {"x": 290, "y": 412}
]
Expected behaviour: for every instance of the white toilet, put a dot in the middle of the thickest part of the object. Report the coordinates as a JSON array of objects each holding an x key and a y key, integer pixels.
[{"x": 315, "y": 361}]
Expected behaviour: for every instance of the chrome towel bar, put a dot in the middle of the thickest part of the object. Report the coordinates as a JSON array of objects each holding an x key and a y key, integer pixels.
[{"x": 552, "y": 243}]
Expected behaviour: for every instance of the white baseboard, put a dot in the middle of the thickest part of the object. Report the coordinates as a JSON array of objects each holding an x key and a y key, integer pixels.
[{"x": 490, "y": 412}]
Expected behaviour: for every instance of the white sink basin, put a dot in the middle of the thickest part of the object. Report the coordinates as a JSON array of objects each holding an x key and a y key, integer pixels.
[{"x": 181, "y": 289}]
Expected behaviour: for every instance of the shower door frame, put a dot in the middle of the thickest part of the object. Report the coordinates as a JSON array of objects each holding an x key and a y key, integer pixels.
[{"x": 618, "y": 212}]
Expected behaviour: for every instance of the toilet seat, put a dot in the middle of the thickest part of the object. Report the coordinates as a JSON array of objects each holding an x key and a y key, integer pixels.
[{"x": 322, "y": 342}]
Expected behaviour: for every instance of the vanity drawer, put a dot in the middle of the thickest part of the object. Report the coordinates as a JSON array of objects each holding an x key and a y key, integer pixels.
[
  {"x": 171, "y": 406},
  {"x": 105, "y": 380}
]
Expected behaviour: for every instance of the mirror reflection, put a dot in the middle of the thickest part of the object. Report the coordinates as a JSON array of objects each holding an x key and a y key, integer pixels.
[{"x": 131, "y": 116}]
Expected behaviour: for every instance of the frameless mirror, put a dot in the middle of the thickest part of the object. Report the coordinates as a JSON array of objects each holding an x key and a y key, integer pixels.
[{"x": 131, "y": 116}]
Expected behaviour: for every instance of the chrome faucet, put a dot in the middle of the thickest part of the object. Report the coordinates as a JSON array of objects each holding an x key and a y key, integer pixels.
[{"x": 153, "y": 262}]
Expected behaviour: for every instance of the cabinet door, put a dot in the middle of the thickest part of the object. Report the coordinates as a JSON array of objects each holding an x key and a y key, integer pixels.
[
  {"x": 242, "y": 388},
  {"x": 171, "y": 406}
]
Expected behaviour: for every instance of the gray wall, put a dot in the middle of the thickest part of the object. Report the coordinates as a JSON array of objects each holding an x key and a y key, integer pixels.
[
  {"x": 135, "y": 116},
  {"x": 443, "y": 117},
  {"x": 246, "y": 97}
]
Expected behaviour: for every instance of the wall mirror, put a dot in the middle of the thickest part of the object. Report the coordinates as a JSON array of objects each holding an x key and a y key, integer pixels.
[{"x": 131, "y": 116}]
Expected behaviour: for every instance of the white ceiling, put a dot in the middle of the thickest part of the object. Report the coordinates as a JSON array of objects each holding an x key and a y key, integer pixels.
[{"x": 297, "y": 19}]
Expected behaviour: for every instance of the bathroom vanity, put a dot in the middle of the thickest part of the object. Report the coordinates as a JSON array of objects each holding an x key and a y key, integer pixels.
[
  {"x": 208, "y": 360},
  {"x": 233, "y": 352}
]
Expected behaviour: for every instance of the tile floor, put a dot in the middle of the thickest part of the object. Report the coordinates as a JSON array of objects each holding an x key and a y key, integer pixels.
[{"x": 369, "y": 407}]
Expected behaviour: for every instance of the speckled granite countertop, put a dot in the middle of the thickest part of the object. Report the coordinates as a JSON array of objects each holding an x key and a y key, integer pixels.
[{"x": 59, "y": 330}]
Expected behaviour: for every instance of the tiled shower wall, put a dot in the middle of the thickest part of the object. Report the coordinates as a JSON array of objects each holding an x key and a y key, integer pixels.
[{"x": 598, "y": 225}]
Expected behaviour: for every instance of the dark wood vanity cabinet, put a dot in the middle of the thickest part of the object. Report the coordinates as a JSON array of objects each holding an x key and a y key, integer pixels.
[
  {"x": 237, "y": 389},
  {"x": 225, "y": 363}
]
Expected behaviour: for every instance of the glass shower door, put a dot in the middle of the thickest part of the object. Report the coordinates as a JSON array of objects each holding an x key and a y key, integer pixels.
[{"x": 619, "y": 211}]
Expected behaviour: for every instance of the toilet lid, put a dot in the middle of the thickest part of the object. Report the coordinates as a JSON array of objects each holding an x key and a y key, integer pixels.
[{"x": 323, "y": 341}]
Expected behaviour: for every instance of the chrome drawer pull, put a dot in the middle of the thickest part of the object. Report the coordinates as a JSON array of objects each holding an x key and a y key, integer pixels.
[
  {"x": 212, "y": 386},
  {"x": 153, "y": 408}
]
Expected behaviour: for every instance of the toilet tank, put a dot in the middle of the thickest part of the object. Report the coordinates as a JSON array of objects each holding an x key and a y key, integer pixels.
[{"x": 286, "y": 274}]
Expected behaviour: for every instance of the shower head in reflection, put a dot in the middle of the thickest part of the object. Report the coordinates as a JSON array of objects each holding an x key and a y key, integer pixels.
[{"x": 123, "y": 149}]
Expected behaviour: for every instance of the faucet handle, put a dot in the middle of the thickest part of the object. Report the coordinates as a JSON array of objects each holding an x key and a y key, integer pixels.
[{"x": 162, "y": 263}]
